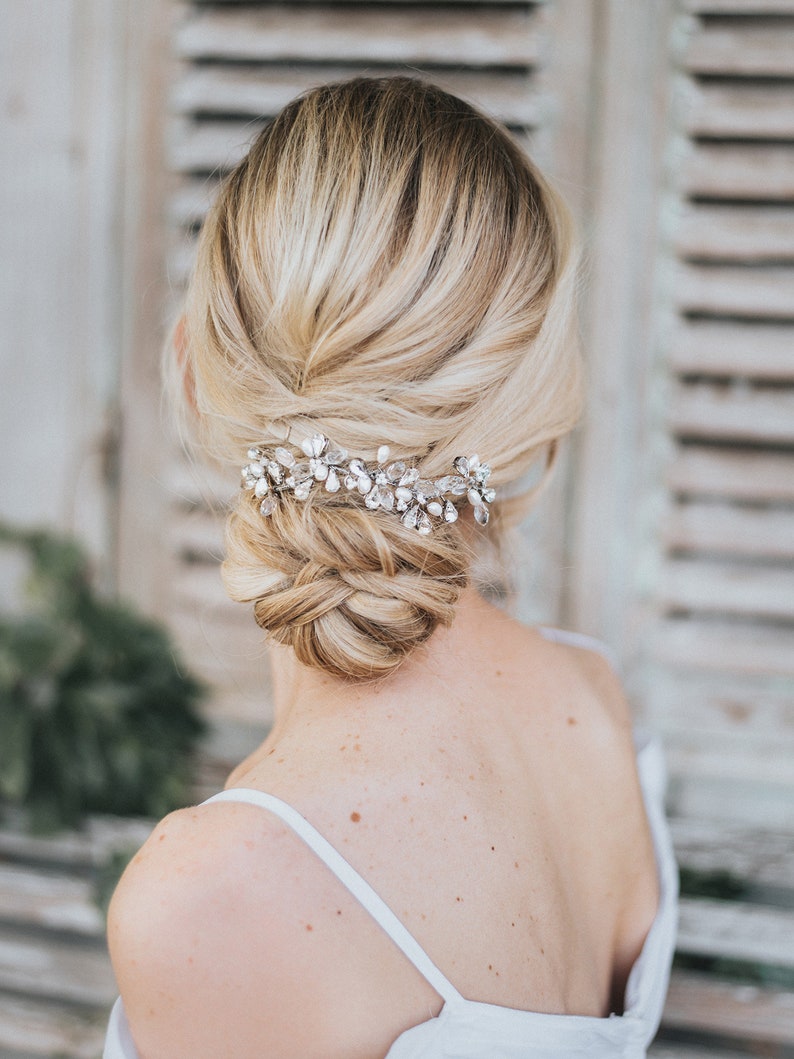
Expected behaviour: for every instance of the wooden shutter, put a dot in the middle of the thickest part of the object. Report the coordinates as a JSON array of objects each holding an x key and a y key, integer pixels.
[
  {"x": 720, "y": 643},
  {"x": 239, "y": 64}
]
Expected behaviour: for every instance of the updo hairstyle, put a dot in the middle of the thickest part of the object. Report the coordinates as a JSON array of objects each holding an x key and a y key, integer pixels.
[{"x": 385, "y": 266}]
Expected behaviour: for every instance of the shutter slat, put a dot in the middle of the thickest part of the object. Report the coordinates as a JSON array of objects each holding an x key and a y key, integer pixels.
[
  {"x": 497, "y": 37},
  {"x": 726, "y": 529},
  {"x": 728, "y": 588},
  {"x": 739, "y": 111},
  {"x": 212, "y": 145},
  {"x": 729, "y": 413},
  {"x": 742, "y": 475},
  {"x": 752, "y": 172},
  {"x": 736, "y": 931},
  {"x": 736, "y": 290},
  {"x": 709, "y": 711},
  {"x": 701, "y": 1002},
  {"x": 736, "y": 233},
  {"x": 718, "y": 348},
  {"x": 730, "y": 760},
  {"x": 754, "y": 51},
  {"x": 29, "y": 1029},
  {"x": 263, "y": 92},
  {"x": 764, "y": 856},
  {"x": 734, "y": 647}
]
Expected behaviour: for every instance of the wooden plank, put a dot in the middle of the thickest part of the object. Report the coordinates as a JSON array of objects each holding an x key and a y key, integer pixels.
[
  {"x": 739, "y": 7},
  {"x": 741, "y": 767},
  {"x": 754, "y": 476},
  {"x": 762, "y": 857},
  {"x": 724, "y": 348},
  {"x": 499, "y": 37},
  {"x": 729, "y": 1009},
  {"x": 726, "y": 529},
  {"x": 46, "y": 899},
  {"x": 83, "y": 849},
  {"x": 210, "y": 146},
  {"x": 49, "y": 1030},
  {"x": 736, "y": 233},
  {"x": 752, "y": 172},
  {"x": 233, "y": 90},
  {"x": 742, "y": 51},
  {"x": 685, "y": 1050},
  {"x": 730, "y": 413},
  {"x": 735, "y": 647},
  {"x": 56, "y": 970},
  {"x": 727, "y": 588},
  {"x": 736, "y": 290},
  {"x": 740, "y": 111}
]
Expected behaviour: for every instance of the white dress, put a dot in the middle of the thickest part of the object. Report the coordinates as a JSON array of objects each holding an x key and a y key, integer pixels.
[{"x": 468, "y": 1029}]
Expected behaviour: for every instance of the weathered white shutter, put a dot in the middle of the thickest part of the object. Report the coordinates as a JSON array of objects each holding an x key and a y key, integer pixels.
[
  {"x": 720, "y": 639},
  {"x": 239, "y": 64}
]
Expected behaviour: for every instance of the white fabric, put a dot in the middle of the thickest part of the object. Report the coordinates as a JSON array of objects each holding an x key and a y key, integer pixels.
[{"x": 468, "y": 1029}]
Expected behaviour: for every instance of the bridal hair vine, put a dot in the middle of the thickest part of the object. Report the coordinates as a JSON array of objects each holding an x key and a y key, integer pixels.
[{"x": 273, "y": 473}]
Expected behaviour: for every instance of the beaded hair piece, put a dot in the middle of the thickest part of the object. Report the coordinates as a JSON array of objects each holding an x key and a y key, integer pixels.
[{"x": 393, "y": 487}]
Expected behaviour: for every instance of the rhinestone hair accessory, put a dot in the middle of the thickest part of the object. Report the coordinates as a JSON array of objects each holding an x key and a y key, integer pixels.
[{"x": 420, "y": 502}]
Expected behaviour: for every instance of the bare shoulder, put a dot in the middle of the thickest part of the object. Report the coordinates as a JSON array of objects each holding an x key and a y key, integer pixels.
[{"x": 207, "y": 935}]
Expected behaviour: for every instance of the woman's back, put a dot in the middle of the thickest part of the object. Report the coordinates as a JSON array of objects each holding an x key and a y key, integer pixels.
[{"x": 491, "y": 800}]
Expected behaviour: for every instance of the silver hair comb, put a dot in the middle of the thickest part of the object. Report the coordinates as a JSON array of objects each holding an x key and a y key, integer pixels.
[{"x": 393, "y": 487}]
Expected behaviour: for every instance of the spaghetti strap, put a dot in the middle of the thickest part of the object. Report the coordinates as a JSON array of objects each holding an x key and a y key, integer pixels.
[
  {"x": 580, "y": 639},
  {"x": 350, "y": 879}
]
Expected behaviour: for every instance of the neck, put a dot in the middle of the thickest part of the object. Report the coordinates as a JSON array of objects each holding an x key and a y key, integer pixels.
[{"x": 450, "y": 656}]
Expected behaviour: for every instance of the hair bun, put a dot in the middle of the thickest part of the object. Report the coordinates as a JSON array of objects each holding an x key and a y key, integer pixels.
[{"x": 349, "y": 591}]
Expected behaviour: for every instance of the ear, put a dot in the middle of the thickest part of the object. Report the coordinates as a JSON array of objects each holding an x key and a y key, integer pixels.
[{"x": 179, "y": 339}]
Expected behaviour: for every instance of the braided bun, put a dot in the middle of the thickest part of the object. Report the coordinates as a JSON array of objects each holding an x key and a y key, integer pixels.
[
  {"x": 350, "y": 590},
  {"x": 384, "y": 267}
]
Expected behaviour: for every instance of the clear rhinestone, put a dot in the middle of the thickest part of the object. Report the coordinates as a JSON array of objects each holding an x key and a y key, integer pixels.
[
  {"x": 395, "y": 471},
  {"x": 410, "y": 476},
  {"x": 489, "y": 495},
  {"x": 335, "y": 455},
  {"x": 483, "y": 472},
  {"x": 284, "y": 457},
  {"x": 425, "y": 489},
  {"x": 332, "y": 482},
  {"x": 351, "y": 482},
  {"x": 268, "y": 506},
  {"x": 314, "y": 445},
  {"x": 452, "y": 483},
  {"x": 357, "y": 468},
  {"x": 386, "y": 498},
  {"x": 372, "y": 499},
  {"x": 254, "y": 454},
  {"x": 255, "y": 470},
  {"x": 474, "y": 498},
  {"x": 381, "y": 478},
  {"x": 474, "y": 463},
  {"x": 301, "y": 471},
  {"x": 462, "y": 465},
  {"x": 434, "y": 508},
  {"x": 303, "y": 489},
  {"x": 274, "y": 471},
  {"x": 423, "y": 524},
  {"x": 481, "y": 515},
  {"x": 261, "y": 488},
  {"x": 383, "y": 453},
  {"x": 450, "y": 512},
  {"x": 364, "y": 483},
  {"x": 410, "y": 517}
]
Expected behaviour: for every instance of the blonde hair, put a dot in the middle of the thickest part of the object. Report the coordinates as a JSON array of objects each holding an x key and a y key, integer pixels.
[{"x": 384, "y": 266}]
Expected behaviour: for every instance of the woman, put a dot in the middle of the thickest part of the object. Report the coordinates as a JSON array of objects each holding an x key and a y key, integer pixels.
[{"x": 448, "y": 844}]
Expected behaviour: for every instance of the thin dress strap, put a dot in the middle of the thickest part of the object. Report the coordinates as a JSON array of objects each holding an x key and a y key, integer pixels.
[{"x": 349, "y": 878}]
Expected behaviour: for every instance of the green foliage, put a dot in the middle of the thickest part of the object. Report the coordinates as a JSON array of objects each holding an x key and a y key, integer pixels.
[{"x": 96, "y": 714}]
